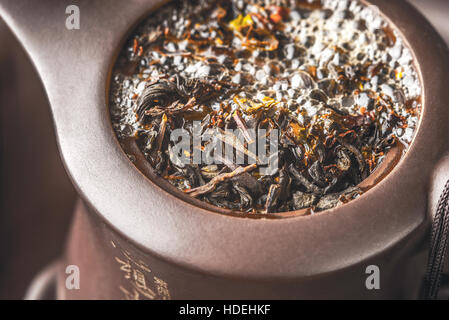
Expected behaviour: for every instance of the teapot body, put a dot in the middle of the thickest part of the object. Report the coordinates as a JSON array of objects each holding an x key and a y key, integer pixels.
[
  {"x": 112, "y": 267},
  {"x": 132, "y": 239}
]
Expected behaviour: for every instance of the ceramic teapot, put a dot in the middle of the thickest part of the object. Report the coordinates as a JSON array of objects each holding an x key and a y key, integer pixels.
[{"x": 132, "y": 238}]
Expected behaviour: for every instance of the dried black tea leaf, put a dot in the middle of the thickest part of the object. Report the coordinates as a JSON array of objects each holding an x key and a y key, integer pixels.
[{"x": 266, "y": 106}]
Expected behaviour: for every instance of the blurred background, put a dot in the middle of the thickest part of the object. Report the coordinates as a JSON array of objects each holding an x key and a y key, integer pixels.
[{"x": 36, "y": 196}]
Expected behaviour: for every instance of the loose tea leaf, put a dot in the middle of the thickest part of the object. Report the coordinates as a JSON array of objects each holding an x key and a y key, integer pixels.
[
  {"x": 210, "y": 186},
  {"x": 309, "y": 96}
]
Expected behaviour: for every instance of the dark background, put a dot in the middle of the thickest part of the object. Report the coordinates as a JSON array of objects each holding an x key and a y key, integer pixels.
[{"x": 36, "y": 196}]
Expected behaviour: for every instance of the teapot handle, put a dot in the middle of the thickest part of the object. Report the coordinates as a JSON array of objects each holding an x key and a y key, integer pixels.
[{"x": 437, "y": 275}]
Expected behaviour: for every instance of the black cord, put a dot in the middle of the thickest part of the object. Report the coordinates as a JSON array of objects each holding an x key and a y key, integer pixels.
[{"x": 438, "y": 246}]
